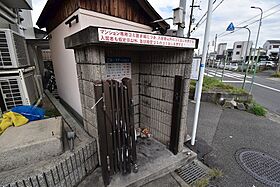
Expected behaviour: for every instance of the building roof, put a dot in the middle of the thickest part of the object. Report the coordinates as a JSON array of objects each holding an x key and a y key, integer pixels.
[
  {"x": 23, "y": 4},
  {"x": 52, "y": 10},
  {"x": 274, "y": 41}
]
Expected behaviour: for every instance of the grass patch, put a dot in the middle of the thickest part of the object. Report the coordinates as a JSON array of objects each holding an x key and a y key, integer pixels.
[
  {"x": 213, "y": 84},
  {"x": 215, "y": 173},
  {"x": 201, "y": 182},
  {"x": 257, "y": 109},
  {"x": 276, "y": 75},
  {"x": 50, "y": 113}
]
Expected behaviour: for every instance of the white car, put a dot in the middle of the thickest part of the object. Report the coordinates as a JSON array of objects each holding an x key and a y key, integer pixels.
[
  {"x": 267, "y": 64},
  {"x": 233, "y": 66}
]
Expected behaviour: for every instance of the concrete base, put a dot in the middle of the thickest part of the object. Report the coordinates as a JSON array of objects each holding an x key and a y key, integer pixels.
[
  {"x": 30, "y": 143},
  {"x": 154, "y": 161}
]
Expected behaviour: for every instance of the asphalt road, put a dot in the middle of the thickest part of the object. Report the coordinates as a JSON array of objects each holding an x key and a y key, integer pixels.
[
  {"x": 227, "y": 131},
  {"x": 266, "y": 90}
]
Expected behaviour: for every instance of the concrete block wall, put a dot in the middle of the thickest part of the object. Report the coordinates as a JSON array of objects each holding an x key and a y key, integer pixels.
[
  {"x": 90, "y": 68},
  {"x": 153, "y": 75},
  {"x": 68, "y": 171},
  {"x": 157, "y": 75}
]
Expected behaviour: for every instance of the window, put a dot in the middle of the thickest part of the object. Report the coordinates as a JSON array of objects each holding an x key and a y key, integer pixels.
[
  {"x": 237, "y": 53},
  {"x": 238, "y": 46}
]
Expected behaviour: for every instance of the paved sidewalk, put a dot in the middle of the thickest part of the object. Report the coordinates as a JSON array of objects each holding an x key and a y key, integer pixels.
[
  {"x": 221, "y": 132},
  {"x": 232, "y": 131}
]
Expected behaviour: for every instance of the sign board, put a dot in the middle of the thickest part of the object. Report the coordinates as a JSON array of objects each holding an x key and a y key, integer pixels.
[
  {"x": 118, "y": 68},
  {"x": 129, "y": 37},
  {"x": 195, "y": 68},
  {"x": 231, "y": 27}
]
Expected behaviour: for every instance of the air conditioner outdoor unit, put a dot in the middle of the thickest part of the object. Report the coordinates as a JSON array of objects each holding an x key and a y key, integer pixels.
[
  {"x": 17, "y": 87},
  {"x": 13, "y": 50}
]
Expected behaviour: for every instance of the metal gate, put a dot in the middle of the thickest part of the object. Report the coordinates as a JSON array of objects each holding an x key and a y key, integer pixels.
[{"x": 115, "y": 127}]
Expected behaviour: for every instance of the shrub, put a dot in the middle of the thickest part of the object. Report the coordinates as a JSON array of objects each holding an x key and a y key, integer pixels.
[
  {"x": 213, "y": 84},
  {"x": 276, "y": 75},
  {"x": 257, "y": 109}
]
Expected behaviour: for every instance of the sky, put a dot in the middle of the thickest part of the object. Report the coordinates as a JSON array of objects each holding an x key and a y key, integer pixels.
[{"x": 236, "y": 11}]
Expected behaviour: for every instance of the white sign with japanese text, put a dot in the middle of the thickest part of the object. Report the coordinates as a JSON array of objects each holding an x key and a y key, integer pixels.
[
  {"x": 128, "y": 37},
  {"x": 195, "y": 68}
]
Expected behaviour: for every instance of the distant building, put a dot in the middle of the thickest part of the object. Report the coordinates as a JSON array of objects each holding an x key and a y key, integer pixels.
[
  {"x": 229, "y": 52},
  {"x": 272, "y": 48},
  {"x": 222, "y": 47},
  {"x": 239, "y": 50},
  {"x": 16, "y": 15}
]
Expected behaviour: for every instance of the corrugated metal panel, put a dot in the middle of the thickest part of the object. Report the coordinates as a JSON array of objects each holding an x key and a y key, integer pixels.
[
  {"x": 20, "y": 49},
  {"x": 5, "y": 58},
  {"x": 13, "y": 50},
  {"x": 18, "y": 89},
  {"x": 11, "y": 92}
]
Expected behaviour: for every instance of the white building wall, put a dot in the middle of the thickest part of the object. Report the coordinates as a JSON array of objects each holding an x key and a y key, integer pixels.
[
  {"x": 65, "y": 66},
  {"x": 64, "y": 59},
  {"x": 27, "y": 24},
  {"x": 240, "y": 54},
  {"x": 271, "y": 48},
  {"x": 222, "y": 47}
]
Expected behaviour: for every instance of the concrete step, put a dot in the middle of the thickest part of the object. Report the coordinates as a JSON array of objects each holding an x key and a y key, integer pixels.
[
  {"x": 35, "y": 141},
  {"x": 154, "y": 161}
]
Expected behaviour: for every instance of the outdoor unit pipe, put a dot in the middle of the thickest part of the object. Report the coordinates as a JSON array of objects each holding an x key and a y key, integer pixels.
[
  {"x": 9, "y": 11},
  {"x": 6, "y": 17}
]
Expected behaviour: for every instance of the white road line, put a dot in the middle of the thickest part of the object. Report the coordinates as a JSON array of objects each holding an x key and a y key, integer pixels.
[
  {"x": 267, "y": 87},
  {"x": 241, "y": 80},
  {"x": 209, "y": 75},
  {"x": 213, "y": 74},
  {"x": 232, "y": 74},
  {"x": 236, "y": 81}
]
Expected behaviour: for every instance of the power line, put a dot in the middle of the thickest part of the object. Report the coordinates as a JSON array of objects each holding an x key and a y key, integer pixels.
[
  {"x": 213, "y": 11},
  {"x": 250, "y": 24},
  {"x": 201, "y": 18},
  {"x": 250, "y": 19}
]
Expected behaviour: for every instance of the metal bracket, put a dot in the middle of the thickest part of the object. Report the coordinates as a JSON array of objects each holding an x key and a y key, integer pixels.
[
  {"x": 69, "y": 22},
  {"x": 96, "y": 103}
]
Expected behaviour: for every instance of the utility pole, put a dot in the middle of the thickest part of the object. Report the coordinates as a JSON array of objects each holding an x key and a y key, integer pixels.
[
  {"x": 247, "y": 48},
  {"x": 278, "y": 65},
  {"x": 215, "y": 45},
  {"x": 181, "y": 27},
  {"x": 191, "y": 16},
  {"x": 223, "y": 72},
  {"x": 256, "y": 62},
  {"x": 202, "y": 69}
]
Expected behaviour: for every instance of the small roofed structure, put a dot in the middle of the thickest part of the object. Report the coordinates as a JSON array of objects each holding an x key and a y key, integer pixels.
[
  {"x": 139, "y": 11},
  {"x": 62, "y": 18},
  {"x": 158, "y": 70}
]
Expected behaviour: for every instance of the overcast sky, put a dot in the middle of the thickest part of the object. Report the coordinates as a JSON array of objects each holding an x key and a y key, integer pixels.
[{"x": 235, "y": 11}]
